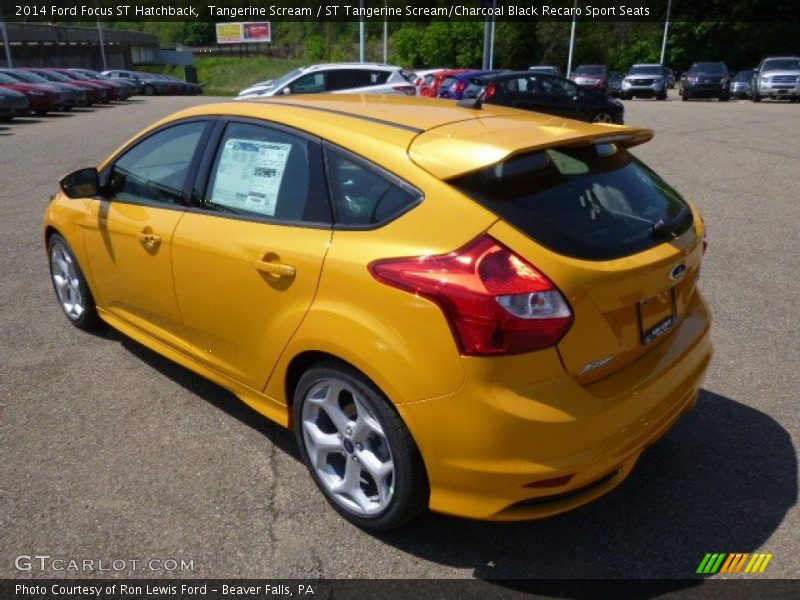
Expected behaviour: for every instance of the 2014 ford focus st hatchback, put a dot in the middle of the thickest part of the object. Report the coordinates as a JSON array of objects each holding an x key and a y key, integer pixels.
[{"x": 487, "y": 312}]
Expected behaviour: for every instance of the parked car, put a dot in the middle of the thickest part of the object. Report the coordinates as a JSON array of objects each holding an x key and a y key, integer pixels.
[
  {"x": 41, "y": 98},
  {"x": 422, "y": 77},
  {"x": 148, "y": 84},
  {"x": 742, "y": 84},
  {"x": 415, "y": 300},
  {"x": 707, "y": 80},
  {"x": 71, "y": 96},
  {"x": 97, "y": 93},
  {"x": 546, "y": 70},
  {"x": 453, "y": 87},
  {"x": 440, "y": 79},
  {"x": 592, "y": 77},
  {"x": 777, "y": 77},
  {"x": 12, "y": 104},
  {"x": 615, "y": 84},
  {"x": 551, "y": 95},
  {"x": 129, "y": 87},
  {"x": 178, "y": 86},
  {"x": 417, "y": 356},
  {"x": 114, "y": 91},
  {"x": 338, "y": 78},
  {"x": 645, "y": 80}
]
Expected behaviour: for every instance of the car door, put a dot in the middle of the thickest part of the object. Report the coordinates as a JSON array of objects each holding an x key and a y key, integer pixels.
[
  {"x": 247, "y": 261},
  {"x": 560, "y": 97},
  {"x": 518, "y": 92},
  {"x": 129, "y": 238}
]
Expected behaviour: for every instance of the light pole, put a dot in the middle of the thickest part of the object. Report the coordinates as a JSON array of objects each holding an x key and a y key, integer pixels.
[
  {"x": 6, "y": 45},
  {"x": 666, "y": 30},
  {"x": 491, "y": 39},
  {"x": 102, "y": 46},
  {"x": 572, "y": 40},
  {"x": 361, "y": 34},
  {"x": 386, "y": 34}
]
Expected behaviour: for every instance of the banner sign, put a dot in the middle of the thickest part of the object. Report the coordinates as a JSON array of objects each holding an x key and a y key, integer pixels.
[{"x": 244, "y": 33}]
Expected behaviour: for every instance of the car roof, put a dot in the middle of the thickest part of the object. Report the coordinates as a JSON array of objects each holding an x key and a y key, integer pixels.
[
  {"x": 351, "y": 65},
  {"x": 647, "y": 65},
  {"x": 442, "y": 137}
]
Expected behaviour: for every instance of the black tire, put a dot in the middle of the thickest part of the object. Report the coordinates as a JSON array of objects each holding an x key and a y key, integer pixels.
[
  {"x": 411, "y": 492},
  {"x": 149, "y": 90},
  {"x": 88, "y": 319},
  {"x": 724, "y": 98},
  {"x": 755, "y": 98},
  {"x": 661, "y": 96},
  {"x": 684, "y": 97}
]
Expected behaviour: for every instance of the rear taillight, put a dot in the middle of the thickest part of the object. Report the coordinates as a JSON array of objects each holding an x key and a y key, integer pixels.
[
  {"x": 460, "y": 86},
  {"x": 496, "y": 302},
  {"x": 490, "y": 92}
]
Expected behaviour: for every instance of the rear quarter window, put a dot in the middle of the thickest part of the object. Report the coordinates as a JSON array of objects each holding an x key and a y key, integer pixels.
[
  {"x": 364, "y": 195},
  {"x": 594, "y": 202}
]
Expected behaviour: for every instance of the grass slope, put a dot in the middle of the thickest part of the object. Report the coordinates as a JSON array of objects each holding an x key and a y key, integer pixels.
[{"x": 227, "y": 75}]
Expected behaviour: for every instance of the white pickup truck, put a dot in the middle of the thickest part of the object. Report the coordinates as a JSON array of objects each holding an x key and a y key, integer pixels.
[{"x": 777, "y": 77}]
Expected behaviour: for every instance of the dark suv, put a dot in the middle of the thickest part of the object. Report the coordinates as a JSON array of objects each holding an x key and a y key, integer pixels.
[{"x": 707, "y": 80}]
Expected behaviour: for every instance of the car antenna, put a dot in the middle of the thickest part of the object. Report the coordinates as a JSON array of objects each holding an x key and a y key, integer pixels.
[{"x": 474, "y": 103}]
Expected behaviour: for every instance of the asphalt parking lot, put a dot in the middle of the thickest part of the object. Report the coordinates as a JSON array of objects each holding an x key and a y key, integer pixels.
[{"x": 111, "y": 452}]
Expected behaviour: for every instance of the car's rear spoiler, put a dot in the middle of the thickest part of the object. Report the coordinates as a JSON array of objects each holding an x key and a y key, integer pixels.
[{"x": 459, "y": 148}]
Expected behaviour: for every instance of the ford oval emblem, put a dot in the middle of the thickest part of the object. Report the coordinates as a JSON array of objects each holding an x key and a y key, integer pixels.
[{"x": 677, "y": 272}]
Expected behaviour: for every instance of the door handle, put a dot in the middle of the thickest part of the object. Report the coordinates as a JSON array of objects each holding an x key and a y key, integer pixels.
[
  {"x": 149, "y": 240},
  {"x": 274, "y": 269}
]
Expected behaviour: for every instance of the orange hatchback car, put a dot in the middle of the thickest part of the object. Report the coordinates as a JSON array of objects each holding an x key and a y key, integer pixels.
[{"x": 484, "y": 311}]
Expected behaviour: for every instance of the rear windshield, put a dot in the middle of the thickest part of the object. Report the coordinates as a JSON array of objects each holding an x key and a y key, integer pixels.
[{"x": 594, "y": 202}]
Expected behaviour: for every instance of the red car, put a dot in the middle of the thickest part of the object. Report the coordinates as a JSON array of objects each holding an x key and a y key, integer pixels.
[
  {"x": 593, "y": 77},
  {"x": 41, "y": 98},
  {"x": 112, "y": 89},
  {"x": 431, "y": 90},
  {"x": 96, "y": 93}
]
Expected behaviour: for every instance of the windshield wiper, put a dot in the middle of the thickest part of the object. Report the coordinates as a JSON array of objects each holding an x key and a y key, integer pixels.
[{"x": 667, "y": 227}]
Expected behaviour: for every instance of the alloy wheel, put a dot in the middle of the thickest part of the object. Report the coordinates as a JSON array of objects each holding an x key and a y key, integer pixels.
[
  {"x": 347, "y": 448},
  {"x": 67, "y": 281}
]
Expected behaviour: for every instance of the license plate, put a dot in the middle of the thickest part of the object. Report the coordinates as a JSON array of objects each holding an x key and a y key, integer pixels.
[
  {"x": 657, "y": 315},
  {"x": 782, "y": 91}
]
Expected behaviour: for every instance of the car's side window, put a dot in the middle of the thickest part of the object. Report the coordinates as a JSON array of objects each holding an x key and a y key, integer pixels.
[
  {"x": 311, "y": 83},
  {"x": 363, "y": 195},
  {"x": 342, "y": 79},
  {"x": 264, "y": 173},
  {"x": 154, "y": 171},
  {"x": 378, "y": 77},
  {"x": 558, "y": 87}
]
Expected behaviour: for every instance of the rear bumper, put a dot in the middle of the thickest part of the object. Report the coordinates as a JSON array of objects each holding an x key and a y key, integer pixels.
[{"x": 490, "y": 447}]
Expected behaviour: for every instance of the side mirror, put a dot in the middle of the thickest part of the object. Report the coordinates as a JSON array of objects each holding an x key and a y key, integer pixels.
[
  {"x": 286, "y": 91},
  {"x": 82, "y": 183}
]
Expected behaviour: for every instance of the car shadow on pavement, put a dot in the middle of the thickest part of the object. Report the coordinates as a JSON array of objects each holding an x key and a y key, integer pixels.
[
  {"x": 208, "y": 391},
  {"x": 721, "y": 481}
]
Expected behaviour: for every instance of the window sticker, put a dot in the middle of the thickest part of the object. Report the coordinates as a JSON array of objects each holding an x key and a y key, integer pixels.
[{"x": 249, "y": 175}]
